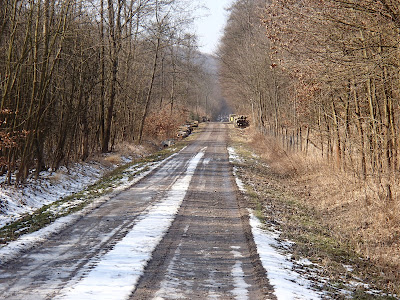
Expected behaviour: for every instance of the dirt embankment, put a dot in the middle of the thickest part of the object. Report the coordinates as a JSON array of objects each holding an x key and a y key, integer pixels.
[{"x": 335, "y": 219}]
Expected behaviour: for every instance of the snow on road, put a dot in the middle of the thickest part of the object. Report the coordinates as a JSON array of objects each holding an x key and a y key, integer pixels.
[
  {"x": 169, "y": 286},
  {"x": 116, "y": 274},
  {"x": 241, "y": 287}
]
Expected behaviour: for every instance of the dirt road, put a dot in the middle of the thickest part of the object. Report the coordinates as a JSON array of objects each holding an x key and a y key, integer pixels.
[{"x": 204, "y": 251}]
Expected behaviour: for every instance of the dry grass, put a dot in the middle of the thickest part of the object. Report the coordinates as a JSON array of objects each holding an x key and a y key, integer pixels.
[
  {"x": 137, "y": 151},
  {"x": 356, "y": 211},
  {"x": 114, "y": 159},
  {"x": 126, "y": 149}
]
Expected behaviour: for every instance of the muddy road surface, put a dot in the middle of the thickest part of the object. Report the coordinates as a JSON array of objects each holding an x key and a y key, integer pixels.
[{"x": 180, "y": 233}]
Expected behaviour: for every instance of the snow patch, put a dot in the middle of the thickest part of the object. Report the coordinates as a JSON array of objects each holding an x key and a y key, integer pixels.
[
  {"x": 286, "y": 282},
  {"x": 241, "y": 287},
  {"x": 115, "y": 276},
  {"x": 170, "y": 286},
  {"x": 206, "y": 161},
  {"x": 348, "y": 268},
  {"x": 213, "y": 285},
  {"x": 17, "y": 201},
  {"x": 233, "y": 157},
  {"x": 239, "y": 182},
  {"x": 236, "y": 254}
]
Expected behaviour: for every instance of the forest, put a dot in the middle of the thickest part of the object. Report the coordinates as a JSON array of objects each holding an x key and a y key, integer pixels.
[
  {"x": 320, "y": 81},
  {"x": 78, "y": 77},
  {"x": 322, "y": 74}
]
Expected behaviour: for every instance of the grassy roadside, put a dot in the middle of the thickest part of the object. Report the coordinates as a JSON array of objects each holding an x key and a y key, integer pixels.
[
  {"x": 49, "y": 213},
  {"x": 337, "y": 269}
]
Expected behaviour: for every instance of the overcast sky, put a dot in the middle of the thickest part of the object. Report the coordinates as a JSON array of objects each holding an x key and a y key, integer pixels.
[{"x": 210, "y": 27}]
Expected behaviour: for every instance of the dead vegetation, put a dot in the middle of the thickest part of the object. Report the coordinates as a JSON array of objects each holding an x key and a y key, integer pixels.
[
  {"x": 334, "y": 217},
  {"x": 164, "y": 124}
]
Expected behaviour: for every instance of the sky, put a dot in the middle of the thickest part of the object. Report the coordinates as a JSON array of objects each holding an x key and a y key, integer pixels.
[{"x": 211, "y": 24}]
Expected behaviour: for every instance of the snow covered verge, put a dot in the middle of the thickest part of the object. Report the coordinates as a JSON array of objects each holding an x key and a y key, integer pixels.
[
  {"x": 235, "y": 159},
  {"x": 286, "y": 282},
  {"x": 16, "y": 201},
  {"x": 293, "y": 277}
]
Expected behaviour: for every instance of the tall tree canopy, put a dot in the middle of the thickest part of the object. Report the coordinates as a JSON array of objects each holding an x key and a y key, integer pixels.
[
  {"x": 77, "y": 77},
  {"x": 326, "y": 68}
]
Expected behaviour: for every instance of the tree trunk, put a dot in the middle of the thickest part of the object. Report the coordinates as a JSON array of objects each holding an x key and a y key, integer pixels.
[
  {"x": 361, "y": 133},
  {"x": 149, "y": 92}
]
